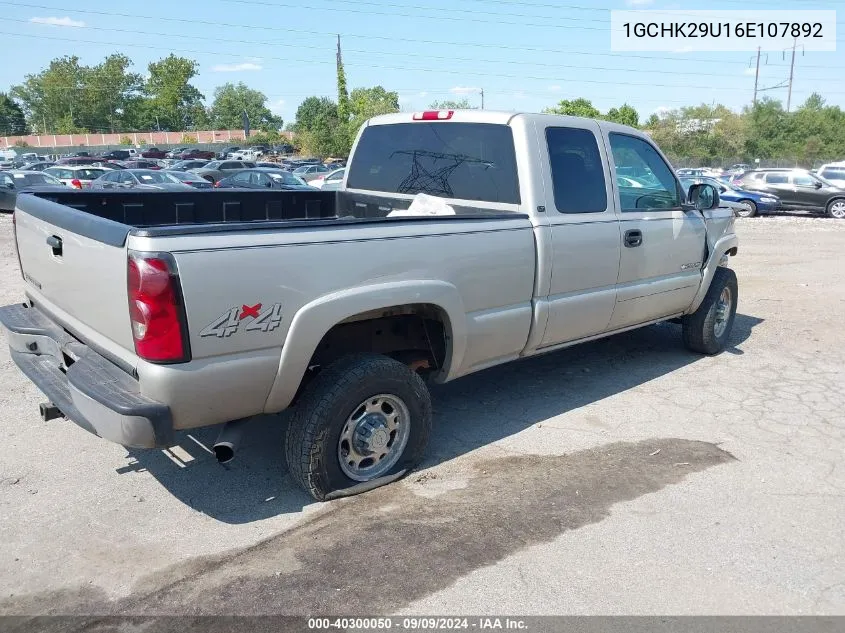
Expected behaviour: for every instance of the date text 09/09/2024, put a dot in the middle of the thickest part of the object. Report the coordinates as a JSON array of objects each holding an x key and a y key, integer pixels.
[
  {"x": 418, "y": 624},
  {"x": 723, "y": 29}
]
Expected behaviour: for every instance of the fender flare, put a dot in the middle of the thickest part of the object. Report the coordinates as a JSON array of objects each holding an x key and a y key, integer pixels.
[
  {"x": 720, "y": 248},
  {"x": 313, "y": 320}
]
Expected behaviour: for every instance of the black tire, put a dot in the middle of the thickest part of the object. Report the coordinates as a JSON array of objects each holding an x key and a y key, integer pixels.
[
  {"x": 835, "y": 209},
  {"x": 752, "y": 209},
  {"x": 699, "y": 328},
  {"x": 318, "y": 420}
]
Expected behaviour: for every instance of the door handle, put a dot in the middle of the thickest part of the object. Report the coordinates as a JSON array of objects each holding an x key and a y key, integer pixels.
[
  {"x": 55, "y": 243},
  {"x": 633, "y": 238}
]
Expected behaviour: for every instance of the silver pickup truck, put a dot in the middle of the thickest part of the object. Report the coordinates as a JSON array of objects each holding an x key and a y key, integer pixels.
[{"x": 148, "y": 313}]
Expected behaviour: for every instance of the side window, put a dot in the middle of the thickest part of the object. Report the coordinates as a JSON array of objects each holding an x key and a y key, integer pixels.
[
  {"x": 803, "y": 180},
  {"x": 257, "y": 178},
  {"x": 241, "y": 178},
  {"x": 577, "y": 174},
  {"x": 640, "y": 162},
  {"x": 777, "y": 178}
]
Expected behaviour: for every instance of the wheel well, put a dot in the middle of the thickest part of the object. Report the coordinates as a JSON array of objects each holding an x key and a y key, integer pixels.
[{"x": 415, "y": 334}]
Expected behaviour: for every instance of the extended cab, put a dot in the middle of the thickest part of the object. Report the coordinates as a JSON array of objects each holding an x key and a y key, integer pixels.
[{"x": 149, "y": 313}]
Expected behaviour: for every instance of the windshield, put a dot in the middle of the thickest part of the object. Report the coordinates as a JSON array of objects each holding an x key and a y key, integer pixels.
[
  {"x": 215, "y": 164},
  {"x": 469, "y": 161},
  {"x": 35, "y": 178},
  {"x": 184, "y": 176},
  {"x": 286, "y": 178},
  {"x": 154, "y": 177}
]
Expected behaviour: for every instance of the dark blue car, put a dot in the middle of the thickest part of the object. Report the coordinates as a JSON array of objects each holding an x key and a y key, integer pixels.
[{"x": 754, "y": 201}]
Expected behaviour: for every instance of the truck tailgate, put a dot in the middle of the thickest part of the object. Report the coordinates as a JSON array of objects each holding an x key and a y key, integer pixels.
[{"x": 80, "y": 276}]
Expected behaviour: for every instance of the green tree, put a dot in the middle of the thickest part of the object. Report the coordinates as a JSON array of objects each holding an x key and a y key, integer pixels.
[
  {"x": 576, "y": 107},
  {"x": 172, "y": 103},
  {"x": 318, "y": 128},
  {"x": 625, "y": 114},
  {"x": 12, "y": 119},
  {"x": 366, "y": 103},
  {"x": 342, "y": 93},
  {"x": 452, "y": 104},
  {"x": 48, "y": 98},
  {"x": 108, "y": 92},
  {"x": 230, "y": 102}
]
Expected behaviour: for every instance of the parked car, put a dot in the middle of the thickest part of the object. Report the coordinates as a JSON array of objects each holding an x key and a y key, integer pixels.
[
  {"x": 76, "y": 176},
  {"x": 190, "y": 178},
  {"x": 797, "y": 189},
  {"x": 224, "y": 154},
  {"x": 224, "y": 322},
  {"x": 196, "y": 153},
  {"x": 110, "y": 164},
  {"x": 83, "y": 153},
  {"x": 141, "y": 164},
  {"x": 271, "y": 165},
  {"x": 39, "y": 166},
  {"x": 7, "y": 164},
  {"x": 12, "y": 182},
  {"x": 139, "y": 179},
  {"x": 251, "y": 154},
  {"x": 153, "y": 152},
  {"x": 185, "y": 165},
  {"x": 332, "y": 181},
  {"x": 176, "y": 152},
  {"x": 745, "y": 204},
  {"x": 219, "y": 169},
  {"x": 264, "y": 178},
  {"x": 80, "y": 160},
  {"x": 311, "y": 172},
  {"x": 834, "y": 173},
  {"x": 115, "y": 154}
]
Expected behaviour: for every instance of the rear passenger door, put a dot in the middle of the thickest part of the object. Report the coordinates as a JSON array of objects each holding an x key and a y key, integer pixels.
[
  {"x": 662, "y": 244},
  {"x": 777, "y": 182},
  {"x": 585, "y": 235}
]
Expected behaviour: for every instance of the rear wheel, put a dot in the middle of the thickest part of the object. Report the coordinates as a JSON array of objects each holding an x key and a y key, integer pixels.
[
  {"x": 366, "y": 417},
  {"x": 836, "y": 208},
  {"x": 708, "y": 329},
  {"x": 749, "y": 211}
]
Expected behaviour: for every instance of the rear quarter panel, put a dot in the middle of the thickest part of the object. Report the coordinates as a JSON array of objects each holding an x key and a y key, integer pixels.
[{"x": 312, "y": 278}]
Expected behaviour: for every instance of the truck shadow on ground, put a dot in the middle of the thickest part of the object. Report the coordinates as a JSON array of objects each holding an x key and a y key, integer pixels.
[{"x": 469, "y": 413}]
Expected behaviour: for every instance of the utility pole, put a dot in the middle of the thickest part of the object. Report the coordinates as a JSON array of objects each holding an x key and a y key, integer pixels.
[
  {"x": 45, "y": 123},
  {"x": 791, "y": 72},
  {"x": 757, "y": 75},
  {"x": 482, "y": 98}
]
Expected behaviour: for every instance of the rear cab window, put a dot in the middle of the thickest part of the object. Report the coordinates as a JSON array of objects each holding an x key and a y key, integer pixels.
[
  {"x": 577, "y": 172},
  {"x": 464, "y": 161}
]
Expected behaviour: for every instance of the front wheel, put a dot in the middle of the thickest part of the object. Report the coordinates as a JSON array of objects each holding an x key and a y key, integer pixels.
[
  {"x": 708, "y": 329},
  {"x": 748, "y": 211},
  {"x": 836, "y": 208},
  {"x": 365, "y": 418}
]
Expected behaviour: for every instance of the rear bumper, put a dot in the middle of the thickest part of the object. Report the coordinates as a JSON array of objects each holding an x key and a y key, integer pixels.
[{"x": 88, "y": 389}]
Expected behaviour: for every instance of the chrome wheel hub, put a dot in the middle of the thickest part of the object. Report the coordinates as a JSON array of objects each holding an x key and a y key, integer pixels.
[
  {"x": 723, "y": 312},
  {"x": 374, "y": 437},
  {"x": 837, "y": 210}
]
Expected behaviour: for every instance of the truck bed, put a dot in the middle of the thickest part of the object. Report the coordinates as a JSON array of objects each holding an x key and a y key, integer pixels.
[{"x": 216, "y": 210}]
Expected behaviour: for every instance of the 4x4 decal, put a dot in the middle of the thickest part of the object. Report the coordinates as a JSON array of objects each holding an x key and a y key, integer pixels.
[{"x": 232, "y": 320}]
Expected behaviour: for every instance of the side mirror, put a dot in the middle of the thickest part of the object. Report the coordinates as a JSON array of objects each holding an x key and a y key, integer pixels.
[
  {"x": 10, "y": 185},
  {"x": 704, "y": 197},
  {"x": 817, "y": 184}
]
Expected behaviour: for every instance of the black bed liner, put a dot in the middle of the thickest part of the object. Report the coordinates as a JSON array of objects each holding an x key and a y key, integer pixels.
[{"x": 109, "y": 216}]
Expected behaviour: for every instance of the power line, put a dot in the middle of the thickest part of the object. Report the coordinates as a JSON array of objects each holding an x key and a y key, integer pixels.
[
  {"x": 402, "y": 68},
  {"x": 369, "y": 52},
  {"x": 393, "y": 40}
]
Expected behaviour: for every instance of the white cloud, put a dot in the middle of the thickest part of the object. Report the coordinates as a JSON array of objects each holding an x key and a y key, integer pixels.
[
  {"x": 236, "y": 68},
  {"x": 749, "y": 71},
  {"x": 464, "y": 90},
  {"x": 424, "y": 93},
  {"x": 662, "y": 110},
  {"x": 555, "y": 88},
  {"x": 53, "y": 21},
  {"x": 277, "y": 106},
  {"x": 638, "y": 3}
]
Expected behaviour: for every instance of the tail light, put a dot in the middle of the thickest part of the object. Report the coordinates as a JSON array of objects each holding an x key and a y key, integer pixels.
[
  {"x": 76, "y": 183},
  {"x": 156, "y": 309},
  {"x": 217, "y": 183}
]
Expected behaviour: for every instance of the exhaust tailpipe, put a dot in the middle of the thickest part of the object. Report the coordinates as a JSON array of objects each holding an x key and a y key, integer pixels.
[{"x": 229, "y": 440}]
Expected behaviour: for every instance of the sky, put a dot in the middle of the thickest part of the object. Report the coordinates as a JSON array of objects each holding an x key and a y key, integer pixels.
[{"x": 526, "y": 55}]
